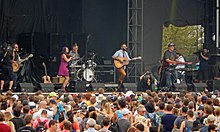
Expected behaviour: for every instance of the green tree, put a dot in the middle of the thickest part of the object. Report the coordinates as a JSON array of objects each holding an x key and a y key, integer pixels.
[{"x": 187, "y": 39}]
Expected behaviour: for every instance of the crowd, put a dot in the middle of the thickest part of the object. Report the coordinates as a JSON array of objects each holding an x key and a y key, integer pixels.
[{"x": 117, "y": 112}]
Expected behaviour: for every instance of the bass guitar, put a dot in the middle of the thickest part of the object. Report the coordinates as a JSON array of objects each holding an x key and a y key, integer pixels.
[
  {"x": 122, "y": 61},
  {"x": 45, "y": 78},
  {"x": 17, "y": 64}
]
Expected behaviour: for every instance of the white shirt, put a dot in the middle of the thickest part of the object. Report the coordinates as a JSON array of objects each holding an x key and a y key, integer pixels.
[
  {"x": 38, "y": 114},
  {"x": 180, "y": 59}
]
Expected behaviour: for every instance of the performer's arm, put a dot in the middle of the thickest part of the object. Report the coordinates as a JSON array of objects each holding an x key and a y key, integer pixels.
[
  {"x": 65, "y": 58},
  {"x": 142, "y": 76},
  {"x": 204, "y": 57},
  {"x": 170, "y": 61},
  {"x": 115, "y": 56}
]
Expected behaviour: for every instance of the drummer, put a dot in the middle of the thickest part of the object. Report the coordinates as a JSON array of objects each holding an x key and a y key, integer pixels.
[{"x": 74, "y": 54}]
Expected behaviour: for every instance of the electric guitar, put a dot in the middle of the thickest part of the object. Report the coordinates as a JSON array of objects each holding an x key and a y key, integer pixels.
[
  {"x": 122, "y": 61},
  {"x": 45, "y": 78},
  {"x": 17, "y": 64}
]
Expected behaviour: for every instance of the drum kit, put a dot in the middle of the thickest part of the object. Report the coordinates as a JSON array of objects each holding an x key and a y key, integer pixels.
[{"x": 83, "y": 70}]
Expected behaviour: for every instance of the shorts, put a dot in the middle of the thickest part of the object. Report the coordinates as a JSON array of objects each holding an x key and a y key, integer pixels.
[{"x": 7, "y": 73}]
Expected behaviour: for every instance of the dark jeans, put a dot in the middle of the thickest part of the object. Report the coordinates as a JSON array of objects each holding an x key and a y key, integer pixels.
[
  {"x": 15, "y": 80},
  {"x": 203, "y": 74},
  {"x": 168, "y": 77}
]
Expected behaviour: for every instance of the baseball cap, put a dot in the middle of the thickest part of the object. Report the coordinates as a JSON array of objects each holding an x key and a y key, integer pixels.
[
  {"x": 171, "y": 44},
  {"x": 52, "y": 101},
  {"x": 204, "y": 98},
  {"x": 25, "y": 102},
  {"x": 129, "y": 93},
  {"x": 211, "y": 118},
  {"x": 125, "y": 111},
  {"x": 52, "y": 94},
  {"x": 15, "y": 96}
]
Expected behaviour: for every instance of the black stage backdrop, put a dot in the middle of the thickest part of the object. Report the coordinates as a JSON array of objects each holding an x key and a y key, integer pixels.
[
  {"x": 43, "y": 27},
  {"x": 163, "y": 12}
]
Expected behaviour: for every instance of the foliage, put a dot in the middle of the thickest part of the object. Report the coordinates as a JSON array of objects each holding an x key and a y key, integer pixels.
[{"x": 187, "y": 39}]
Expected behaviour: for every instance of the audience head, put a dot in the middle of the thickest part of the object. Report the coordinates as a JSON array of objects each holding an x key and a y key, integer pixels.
[
  {"x": 53, "y": 124},
  {"x": 106, "y": 121},
  {"x": 91, "y": 122},
  {"x": 17, "y": 111},
  {"x": 28, "y": 119},
  {"x": 2, "y": 117}
]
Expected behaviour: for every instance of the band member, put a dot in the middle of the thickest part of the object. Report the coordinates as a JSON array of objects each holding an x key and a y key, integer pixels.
[
  {"x": 169, "y": 58},
  {"x": 16, "y": 57},
  {"x": 180, "y": 58},
  {"x": 122, "y": 53},
  {"x": 74, "y": 54},
  {"x": 203, "y": 74},
  {"x": 63, "y": 68},
  {"x": 147, "y": 81},
  {"x": 7, "y": 70}
]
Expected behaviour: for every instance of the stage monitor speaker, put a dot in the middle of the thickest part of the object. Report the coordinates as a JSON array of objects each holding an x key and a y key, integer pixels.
[
  {"x": 199, "y": 87},
  {"x": 47, "y": 87},
  {"x": 130, "y": 87},
  {"x": 80, "y": 86},
  {"x": 26, "y": 87},
  {"x": 216, "y": 85},
  {"x": 213, "y": 85},
  {"x": 180, "y": 87},
  {"x": 96, "y": 86}
]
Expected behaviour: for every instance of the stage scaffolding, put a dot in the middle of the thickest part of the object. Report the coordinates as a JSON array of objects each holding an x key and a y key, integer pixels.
[{"x": 135, "y": 38}]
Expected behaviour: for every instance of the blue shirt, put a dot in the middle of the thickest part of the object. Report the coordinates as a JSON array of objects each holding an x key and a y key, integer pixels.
[
  {"x": 121, "y": 53},
  {"x": 118, "y": 112},
  {"x": 60, "y": 109},
  {"x": 168, "y": 121}
]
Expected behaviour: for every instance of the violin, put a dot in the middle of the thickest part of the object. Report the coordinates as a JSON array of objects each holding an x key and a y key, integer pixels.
[{"x": 68, "y": 55}]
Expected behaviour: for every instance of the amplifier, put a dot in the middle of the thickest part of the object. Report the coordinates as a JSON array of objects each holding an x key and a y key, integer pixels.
[
  {"x": 57, "y": 80},
  {"x": 105, "y": 74}
]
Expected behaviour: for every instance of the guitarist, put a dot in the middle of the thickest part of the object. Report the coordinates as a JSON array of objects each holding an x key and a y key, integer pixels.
[
  {"x": 16, "y": 57},
  {"x": 7, "y": 70},
  {"x": 122, "y": 53}
]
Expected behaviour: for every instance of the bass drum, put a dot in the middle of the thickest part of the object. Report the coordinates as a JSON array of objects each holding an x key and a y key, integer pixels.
[{"x": 86, "y": 74}]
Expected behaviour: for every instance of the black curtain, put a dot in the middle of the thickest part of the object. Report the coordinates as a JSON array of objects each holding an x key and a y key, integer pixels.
[{"x": 47, "y": 16}]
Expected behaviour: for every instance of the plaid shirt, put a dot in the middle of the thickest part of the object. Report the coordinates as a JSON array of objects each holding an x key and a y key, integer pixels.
[{"x": 151, "y": 115}]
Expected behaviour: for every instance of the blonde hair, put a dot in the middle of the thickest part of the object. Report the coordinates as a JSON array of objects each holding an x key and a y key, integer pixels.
[
  {"x": 108, "y": 108},
  {"x": 8, "y": 116}
]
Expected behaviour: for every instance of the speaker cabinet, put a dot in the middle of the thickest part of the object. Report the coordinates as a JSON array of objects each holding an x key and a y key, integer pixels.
[
  {"x": 216, "y": 85},
  {"x": 80, "y": 86},
  {"x": 47, "y": 87},
  {"x": 199, "y": 87},
  {"x": 130, "y": 87},
  {"x": 213, "y": 85},
  {"x": 96, "y": 86},
  {"x": 180, "y": 87},
  {"x": 26, "y": 87}
]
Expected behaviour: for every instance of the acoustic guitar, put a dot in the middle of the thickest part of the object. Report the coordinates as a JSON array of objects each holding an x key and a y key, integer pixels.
[
  {"x": 124, "y": 61},
  {"x": 16, "y": 65},
  {"x": 45, "y": 78}
]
